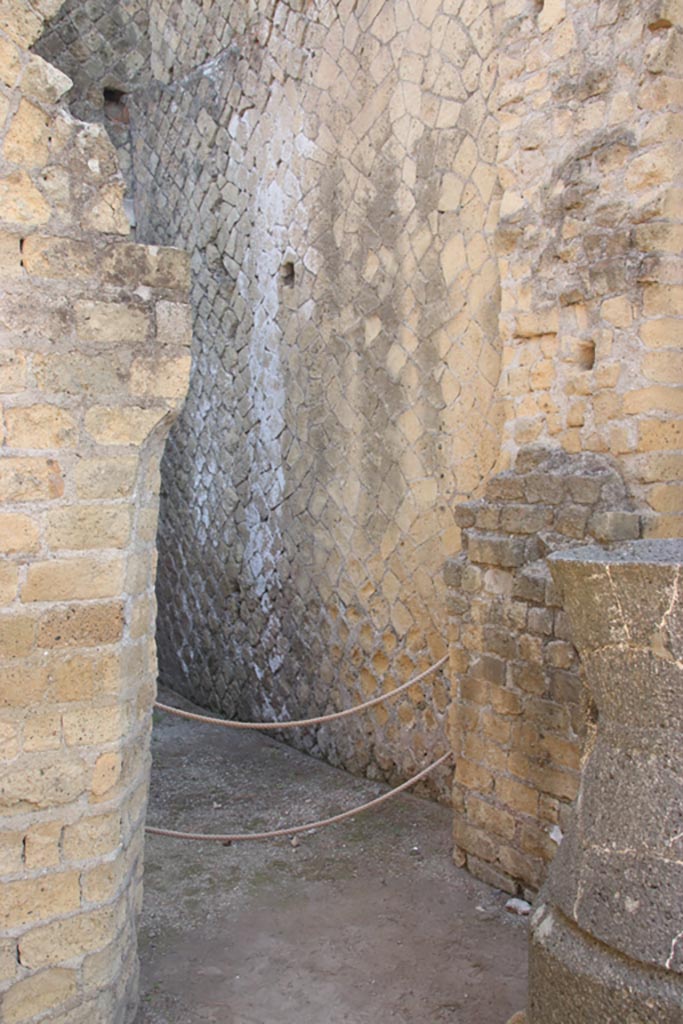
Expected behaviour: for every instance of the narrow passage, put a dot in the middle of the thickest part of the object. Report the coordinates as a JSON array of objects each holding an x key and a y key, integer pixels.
[{"x": 366, "y": 922}]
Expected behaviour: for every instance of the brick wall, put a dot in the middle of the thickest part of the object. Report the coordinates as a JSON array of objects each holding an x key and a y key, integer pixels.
[
  {"x": 94, "y": 360},
  {"x": 518, "y": 722},
  {"x": 424, "y": 236},
  {"x": 590, "y": 237}
]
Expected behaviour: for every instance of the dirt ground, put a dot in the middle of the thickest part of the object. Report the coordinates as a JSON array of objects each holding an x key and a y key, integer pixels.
[{"x": 365, "y": 922}]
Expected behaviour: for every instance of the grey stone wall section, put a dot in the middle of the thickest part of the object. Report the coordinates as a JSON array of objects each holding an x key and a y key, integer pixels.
[{"x": 607, "y": 938}]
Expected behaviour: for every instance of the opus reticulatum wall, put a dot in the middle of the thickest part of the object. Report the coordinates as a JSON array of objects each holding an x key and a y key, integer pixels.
[{"x": 436, "y": 292}]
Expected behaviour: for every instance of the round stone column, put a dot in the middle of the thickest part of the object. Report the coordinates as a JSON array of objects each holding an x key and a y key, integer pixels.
[{"x": 607, "y": 937}]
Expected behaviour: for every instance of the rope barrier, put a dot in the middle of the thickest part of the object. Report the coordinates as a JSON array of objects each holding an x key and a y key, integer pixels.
[
  {"x": 241, "y": 837},
  {"x": 231, "y": 724}
]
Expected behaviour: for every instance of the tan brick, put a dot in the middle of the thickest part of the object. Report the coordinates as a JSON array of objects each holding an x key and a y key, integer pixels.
[
  {"x": 13, "y": 371},
  {"x": 664, "y": 526},
  {"x": 86, "y": 625},
  {"x": 78, "y": 677},
  {"x": 10, "y": 62},
  {"x": 86, "y": 527},
  {"x": 662, "y": 300},
  {"x": 47, "y": 781},
  {"x": 664, "y": 367},
  {"x": 93, "y": 726},
  {"x": 43, "y": 81},
  {"x": 45, "y": 256},
  {"x": 74, "y": 579},
  {"x": 660, "y": 236},
  {"x": 551, "y": 14},
  {"x": 666, "y": 466},
  {"x": 19, "y": 534},
  {"x": 174, "y": 324},
  {"x": 9, "y": 740},
  {"x": 106, "y": 773},
  {"x": 70, "y": 938},
  {"x": 21, "y": 24},
  {"x": 617, "y": 311},
  {"x": 490, "y": 818},
  {"x": 22, "y": 684},
  {"x": 28, "y": 901},
  {"x": 104, "y": 881},
  {"x": 11, "y": 853},
  {"x": 473, "y": 776},
  {"x": 654, "y": 399},
  {"x": 122, "y": 425},
  {"x": 21, "y": 202},
  {"x": 106, "y": 212},
  {"x": 10, "y": 252},
  {"x": 46, "y": 990},
  {"x": 660, "y": 435},
  {"x": 9, "y": 577},
  {"x": 517, "y": 796},
  {"x": 40, "y": 426},
  {"x": 41, "y": 845},
  {"x": 111, "y": 321},
  {"x": 17, "y": 635},
  {"x": 666, "y": 498},
  {"x": 26, "y": 142},
  {"x": 43, "y": 732},
  {"x": 8, "y": 959},
  {"x": 30, "y": 479},
  {"x": 656, "y": 167},
  {"x": 106, "y": 478},
  {"x": 92, "y": 837},
  {"x": 662, "y": 333},
  {"x": 163, "y": 378}
]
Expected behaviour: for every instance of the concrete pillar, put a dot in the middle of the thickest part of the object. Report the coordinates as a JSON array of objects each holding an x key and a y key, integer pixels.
[{"x": 607, "y": 938}]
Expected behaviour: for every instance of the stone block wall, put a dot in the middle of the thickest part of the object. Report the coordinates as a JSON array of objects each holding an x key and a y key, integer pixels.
[
  {"x": 424, "y": 236},
  {"x": 590, "y": 158},
  {"x": 94, "y": 360},
  {"x": 331, "y": 167},
  {"x": 518, "y": 721}
]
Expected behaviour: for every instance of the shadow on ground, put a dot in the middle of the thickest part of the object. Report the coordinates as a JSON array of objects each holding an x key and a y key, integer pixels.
[{"x": 365, "y": 922}]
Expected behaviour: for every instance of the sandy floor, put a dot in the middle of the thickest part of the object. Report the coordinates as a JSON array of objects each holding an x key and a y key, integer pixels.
[{"x": 363, "y": 923}]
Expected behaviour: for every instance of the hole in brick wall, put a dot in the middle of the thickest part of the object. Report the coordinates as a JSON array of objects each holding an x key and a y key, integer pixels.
[
  {"x": 287, "y": 273},
  {"x": 586, "y": 355},
  {"x": 115, "y": 107},
  {"x": 21, "y": 251}
]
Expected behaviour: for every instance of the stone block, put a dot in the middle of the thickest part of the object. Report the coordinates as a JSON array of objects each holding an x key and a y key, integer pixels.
[
  {"x": 88, "y": 527},
  {"x": 32, "y": 900},
  {"x": 492, "y": 549},
  {"x": 40, "y": 426},
  {"x": 125, "y": 426},
  {"x": 86, "y": 625},
  {"x": 111, "y": 322},
  {"x": 38, "y": 994},
  {"x": 69, "y": 938},
  {"x": 614, "y": 526},
  {"x": 30, "y": 479}
]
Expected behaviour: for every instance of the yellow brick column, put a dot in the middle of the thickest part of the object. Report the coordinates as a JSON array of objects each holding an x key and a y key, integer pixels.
[{"x": 94, "y": 363}]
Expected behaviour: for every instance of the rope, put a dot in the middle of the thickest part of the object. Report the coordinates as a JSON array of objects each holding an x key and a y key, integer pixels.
[
  {"x": 231, "y": 724},
  {"x": 240, "y": 837}
]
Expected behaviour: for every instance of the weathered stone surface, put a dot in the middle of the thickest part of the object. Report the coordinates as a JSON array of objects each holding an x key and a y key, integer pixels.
[
  {"x": 77, "y": 513},
  {"x": 513, "y": 654},
  {"x": 607, "y": 936}
]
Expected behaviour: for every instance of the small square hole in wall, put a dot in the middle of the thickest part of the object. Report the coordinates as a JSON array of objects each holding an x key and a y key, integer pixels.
[
  {"x": 586, "y": 355},
  {"x": 287, "y": 273},
  {"x": 115, "y": 107}
]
